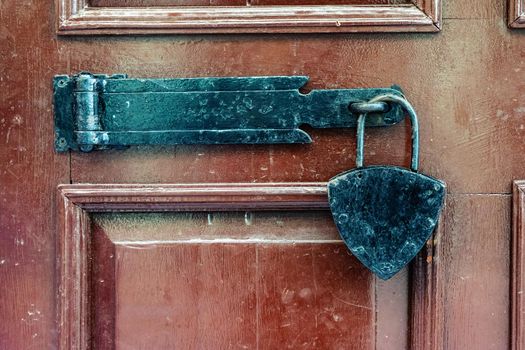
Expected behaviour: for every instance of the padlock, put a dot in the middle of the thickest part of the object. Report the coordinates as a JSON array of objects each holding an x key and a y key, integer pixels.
[{"x": 386, "y": 214}]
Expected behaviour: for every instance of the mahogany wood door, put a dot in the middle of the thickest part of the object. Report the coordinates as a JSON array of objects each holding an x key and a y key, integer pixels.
[{"x": 225, "y": 247}]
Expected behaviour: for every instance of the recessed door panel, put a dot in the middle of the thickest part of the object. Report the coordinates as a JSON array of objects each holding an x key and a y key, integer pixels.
[{"x": 278, "y": 279}]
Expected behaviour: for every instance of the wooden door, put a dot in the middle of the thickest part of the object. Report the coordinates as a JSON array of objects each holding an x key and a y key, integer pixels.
[
  {"x": 223, "y": 266},
  {"x": 204, "y": 247}
]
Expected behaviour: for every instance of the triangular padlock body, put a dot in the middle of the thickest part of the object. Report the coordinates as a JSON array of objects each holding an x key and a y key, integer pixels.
[{"x": 385, "y": 214}]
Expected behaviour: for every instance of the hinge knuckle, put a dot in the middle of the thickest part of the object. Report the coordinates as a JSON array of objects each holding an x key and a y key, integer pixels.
[{"x": 87, "y": 108}]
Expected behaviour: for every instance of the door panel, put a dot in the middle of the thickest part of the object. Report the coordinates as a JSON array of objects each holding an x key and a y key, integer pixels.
[
  {"x": 142, "y": 3},
  {"x": 518, "y": 267},
  {"x": 516, "y": 14},
  {"x": 461, "y": 142},
  {"x": 476, "y": 299},
  {"x": 164, "y": 3},
  {"x": 243, "y": 296},
  {"x": 270, "y": 287},
  {"x": 328, "y": 2},
  {"x": 81, "y": 17},
  {"x": 206, "y": 278}
]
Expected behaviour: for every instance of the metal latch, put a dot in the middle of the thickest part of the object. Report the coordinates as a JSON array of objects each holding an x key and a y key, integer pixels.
[{"x": 100, "y": 111}]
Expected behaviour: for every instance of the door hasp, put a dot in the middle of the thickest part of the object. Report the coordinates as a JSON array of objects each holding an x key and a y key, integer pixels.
[{"x": 102, "y": 111}]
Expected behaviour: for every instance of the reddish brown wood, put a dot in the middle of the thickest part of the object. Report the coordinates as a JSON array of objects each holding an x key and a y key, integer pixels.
[
  {"x": 327, "y": 2},
  {"x": 73, "y": 268},
  {"x": 516, "y": 13},
  {"x": 428, "y": 289},
  {"x": 393, "y": 316},
  {"x": 465, "y": 128},
  {"x": 319, "y": 282},
  {"x": 102, "y": 266},
  {"x": 79, "y": 280},
  {"x": 211, "y": 3},
  {"x": 195, "y": 262},
  {"x": 77, "y": 17},
  {"x": 200, "y": 197},
  {"x": 29, "y": 174},
  {"x": 186, "y": 295},
  {"x": 466, "y": 83},
  {"x": 160, "y": 3},
  {"x": 476, "y": 262},
  {"x": 518, "y": 267},
  {"x": 222, "y": 295},
  {"x": 482, "y": 11}
]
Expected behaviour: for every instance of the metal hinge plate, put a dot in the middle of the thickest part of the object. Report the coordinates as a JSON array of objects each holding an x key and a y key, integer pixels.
[{"x": 101, "y": 111}]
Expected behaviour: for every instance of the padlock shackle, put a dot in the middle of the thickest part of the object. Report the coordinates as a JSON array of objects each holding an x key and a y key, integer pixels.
[{"x": 413, "y": 121}]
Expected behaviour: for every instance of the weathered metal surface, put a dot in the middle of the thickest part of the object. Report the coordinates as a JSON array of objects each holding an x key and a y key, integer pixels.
[
  {"x": 385, "y": 214},
  {"x": 98, "y": 111}
]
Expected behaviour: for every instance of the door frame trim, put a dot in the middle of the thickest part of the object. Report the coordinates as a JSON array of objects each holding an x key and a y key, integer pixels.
[
  {"x": 76, "y": 202},
  {"x": 516, "y": 13},
  {"x": 76, "y": 17},
  {"x": 518, "y": 266}
]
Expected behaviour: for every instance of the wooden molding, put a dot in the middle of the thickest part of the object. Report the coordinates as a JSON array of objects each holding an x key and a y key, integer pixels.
[
  {"x": 427, "y": 294},
  {"x": 518, "y": 267},
  {"x": 76, "y": 202},
  {"x": 516, "y": 14},
  {"x": 77, "y": 17}
]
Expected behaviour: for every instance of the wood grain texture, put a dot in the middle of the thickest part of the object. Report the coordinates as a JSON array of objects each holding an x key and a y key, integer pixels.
[
  {"x": 516, "y": 13},
  {"x": 242, "y": 295},
  {"x": 471, "y": 131},
  {"x": 29, "y": 174},
  {"x": 75, "y": 246},
  {"x": 212, "y": 3},
  {"x": 466, "y": 83},
  {"x": 495, "y": 10},
  {"x": 476, "y": 256},
  {"x": 326, "y": 2},
  {"x": 277, "y": 229},
  {"x": 518, "y": 267},
  {"x": 188, "y": 296},
  {"x": 427, "y": 288},
  {"x": 102, "y": 272},
  {"x": 77, "y": 17},
  {"x": 321, "y": 282},
  {"x": 162, "y": 3}
]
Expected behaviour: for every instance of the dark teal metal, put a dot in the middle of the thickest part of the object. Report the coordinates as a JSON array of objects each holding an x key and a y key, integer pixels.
[
  {"x": 361, "y": 122},
  {"x": 100, "y": 111},
  {"x": 386, "y": 214}
]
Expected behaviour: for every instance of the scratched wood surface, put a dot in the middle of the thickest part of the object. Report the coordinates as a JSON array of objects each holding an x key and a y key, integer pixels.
[
  {"x": 466, "y": 82},
  {"x": 79, "y": 17},
  {"x": 470, "y": 138},
  {"x": 226, "y": 280},
  {"x": 518, "y": 267},
  {"x": 477, "y": 265},
  {"x": 271, "y": 273},
  {"x": 89, "y": 265},
  {"x": 140, "y": 3},
  {"x": 516, "y": 13}
]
